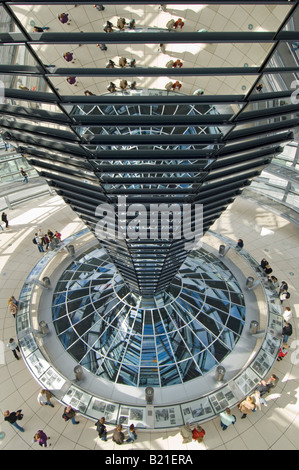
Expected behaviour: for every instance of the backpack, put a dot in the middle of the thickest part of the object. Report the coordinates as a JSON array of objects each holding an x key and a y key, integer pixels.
[{"x": 34, "y": 241}]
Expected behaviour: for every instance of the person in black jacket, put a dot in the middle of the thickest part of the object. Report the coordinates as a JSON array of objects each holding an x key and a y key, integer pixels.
[
  {"x": 286, "y": 332},
  {"x": 101, "y": 428},
  {"x": 4, "y": 218},
  {"x": 13, "y": 417}
]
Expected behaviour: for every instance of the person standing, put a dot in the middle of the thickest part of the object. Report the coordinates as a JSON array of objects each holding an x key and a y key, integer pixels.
[
  {"x": 13, "y": 346},
  {"x": 101, "y": 428},
  {"x": 99, "y": 7},
  {"x": 36, "y": 240},
  {"x": 69, "y": 57},
  {"x": 72, "y": 80},
  {"x": 118, "y": 436},
  {"x": 41, "y": 438},
  {"x": 64, "y": 18},
  {"x": 176, "y": 85},
  {"x": 179, "y": 23},
  {"x": 287, "y": 314},
  {"x": 40, "y": 29},
  {"x": 240, "y": 244},
  {"x": 57, "y": 235},
  {"x": 246, "y": 407},
  {"x": 13, "y": 308},
  {"x": 186, "y": 433},
  {"x": 177, "y": 63},
  {"x": 69, "y": 413},
  {"x": 132, "y": 434},
  {"x": 122, "y": 62},
  {"x": 287, "y": 331},
  {"x": 25, "y": 176},
  {"x": 198, "y": 92},
  {"x": 284, "y": 296},
  {"x": 4, "y": 219},
  {"x": 226, "y": 419},
  {"x": 13, "y": 417},
  {"x": 198, "y": 433},
  {"x": 44, "y": 398}
]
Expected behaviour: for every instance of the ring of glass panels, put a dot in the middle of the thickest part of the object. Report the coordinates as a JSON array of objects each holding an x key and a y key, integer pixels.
[{"x": 165, "y": 340}]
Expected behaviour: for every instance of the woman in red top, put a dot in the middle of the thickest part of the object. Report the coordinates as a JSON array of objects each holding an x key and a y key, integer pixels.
[
  {"x": 179, "y": 23},
  {"x": 176, "y": 85},
  {"x": 198, "y": 433}
]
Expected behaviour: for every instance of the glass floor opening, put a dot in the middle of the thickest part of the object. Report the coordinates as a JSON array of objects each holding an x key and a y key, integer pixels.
[{"x": 164, "y": 340}]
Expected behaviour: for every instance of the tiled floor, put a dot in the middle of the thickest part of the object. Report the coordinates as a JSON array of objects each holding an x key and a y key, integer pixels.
[{"x": 274, "y": 427}]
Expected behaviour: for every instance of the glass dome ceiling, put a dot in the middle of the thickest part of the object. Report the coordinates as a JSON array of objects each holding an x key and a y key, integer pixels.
[{"x": 164, "y": 340}]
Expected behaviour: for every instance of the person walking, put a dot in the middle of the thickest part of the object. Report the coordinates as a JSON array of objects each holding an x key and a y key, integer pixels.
[
  {"x": 72, "y": 80},
  {"x": 41, "y": 438},
  {"x": 64, "y": 18},
  {"x": 287, "y": 314},
  {"x": 99, "y": 7},
  {"x": 14, "y": 347},
  {"x": 24, "y": 174},
  {"x": 70, "y": 414},
  {"x": 13, "y": 308},
  {"x": 246, "y": 407},
  {"x": 102, "y": 47},
  {"x": 118, "y": 436},
  {"x": 40, "y": 29},
  {"x": 69, "y": 57},
  {"x": 4, "y": 219},
  {"x": 13, "y": 417},
  {"x": 132, "y": 434},
  {"x": 101, "y": 428},
  {"x": 281, "y": 354},
  {"x": 44, "y": 398},
  {"x": 226, "y": 419}
]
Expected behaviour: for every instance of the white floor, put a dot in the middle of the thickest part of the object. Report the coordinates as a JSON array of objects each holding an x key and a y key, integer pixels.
[{"x": 274, "y": 427}]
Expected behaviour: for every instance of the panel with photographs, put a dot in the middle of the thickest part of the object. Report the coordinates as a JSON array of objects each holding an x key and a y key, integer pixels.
[
  {"x": 198, "y": 410},
  {"x": 168, "y": 416},
  {"x": 98, "y": 408},
  {"x": 247, "y": 381},
  {"x": 132, "y": 415},
  {"x": 224, "y": 398},
  {"x": 77, "y": 399},
  {"x": 51, "y": 380}
]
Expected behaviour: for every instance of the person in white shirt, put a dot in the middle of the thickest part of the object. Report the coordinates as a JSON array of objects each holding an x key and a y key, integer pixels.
[
  {"x": 287, "y": 314},
  {"x": 43, "y": 398},
  {"x": 226, "y": 418}
]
